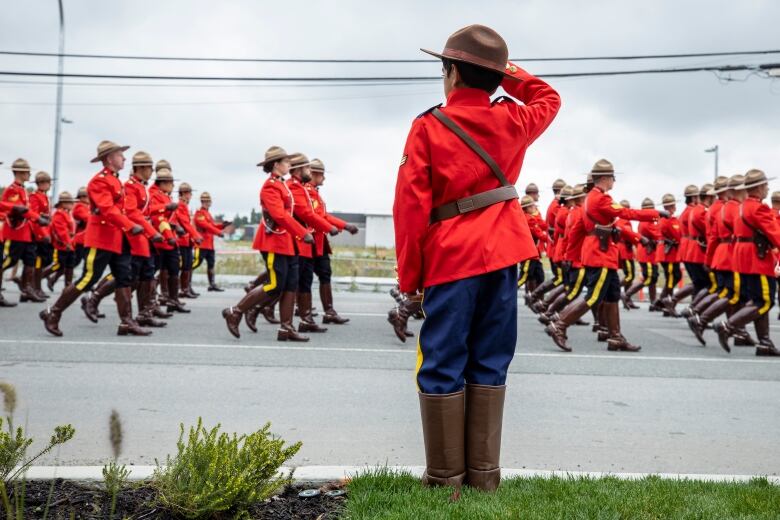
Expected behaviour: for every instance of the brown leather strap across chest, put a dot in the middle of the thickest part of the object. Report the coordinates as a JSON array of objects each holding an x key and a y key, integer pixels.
[{"x": 477, "y": 201}]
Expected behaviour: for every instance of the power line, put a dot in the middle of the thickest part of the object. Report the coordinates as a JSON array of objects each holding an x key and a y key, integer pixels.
[{"x": 358, "y": 60}]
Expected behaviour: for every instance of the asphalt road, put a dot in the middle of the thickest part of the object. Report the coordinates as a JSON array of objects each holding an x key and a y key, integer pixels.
[{"x": 349, "y": 394}]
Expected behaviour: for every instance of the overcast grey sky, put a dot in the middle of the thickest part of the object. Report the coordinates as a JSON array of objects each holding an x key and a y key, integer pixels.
[{"x": 653, "y": 128}]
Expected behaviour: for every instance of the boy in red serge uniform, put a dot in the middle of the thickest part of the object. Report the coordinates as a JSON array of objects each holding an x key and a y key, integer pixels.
[
  {"x": 105, "y": 240},
  {"x": 629, "y": 240},
  {"x": 278, "y": 239},
  {"x": 208, "y": 228},
  {"x": 692, "y": 247},
  {"x": 459, "y": 238},
  {"x": 166, "y": 255}
]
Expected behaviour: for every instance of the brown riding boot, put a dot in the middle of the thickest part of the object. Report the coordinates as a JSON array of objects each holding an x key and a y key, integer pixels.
[
  {"x": 162, "y": 282},
  {"x": 286, "y": 308},
  {"x": 213, "y": 287},
  {"x": 444, "y": 435},
  {"x": 183, "y": 284},
  {"x": 38, "y": 283},
  {"x": 698, "y": 322},
  {"x": 552, "y": 310},
  {"x": 144, "y": 294},
  {"x": 89, "y": 304},
  {"x": 400, "y": 318},
  {"x": 52, "y": 277},
  {"x": 68, "y": 276},
  {"x": 268, "y": 313},
  {"x": 699, "y": 297},
  {"x": 190, "y": 291},
  {"x": 602, "y": 334},
  {"x": 255, "y": 298},
  {"x": 616, "y": 340},
  {"x": 671, "y": 303},
  {"x": 28, "y": 293},
  {"x": 392, "y": 317},
  {"x": 124, "y": 306},
  {"x": 261, "y": 279},
  {"x": 157, "y": 311},
  {"x": 174, "y": 305},
  {"x": 484, "y": 419},
  {"x": 330, "y": 315},
  {"x": 51, "y": 316},
  {"x": 307, "y": 323},
  {"x": 726, "y": 329},
  {"x": 765, "y": 345},
  {"x": 571, "y": 313}
]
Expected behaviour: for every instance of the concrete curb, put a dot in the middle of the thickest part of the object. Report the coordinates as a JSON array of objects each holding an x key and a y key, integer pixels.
[{"x": 329, "y": 473}]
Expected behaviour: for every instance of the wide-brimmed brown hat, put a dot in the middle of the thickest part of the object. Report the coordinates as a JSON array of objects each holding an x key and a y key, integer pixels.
[
  {"x": 164, "y": 174},
  {"x": 526, "y": 201},
  {"x": 602, "y": 168},
  {"x": 298, "y": 160},
  {"x": 20, "y": 165},
  {"x": 691, "y": 190},
  {"x": 589, "y": 180},
  {"x": 317, "y": 166},
  {"x": 162, "y": 163},
  {"x": 647, "y": 203},
  {"x": 566, "y": 192},
  {"x": 707, "y": 190},
  {"x": 478, "y": 45},
  {"x": 668, "y": 199},
  {"x": 205, "y": 196},
  {"x": 274, "y": 153},
  {"x": 42, "y": 177},
  {"x": 736, "y": 182},
  {"x": 531, "y": 188},
  {"x": 625, "y": 203},
  {"x": 82, "y": 192},
  {"x": 558, "y": 184},
  {"x": 721, "y": 184},
  {"x": 185, "y": 188},
  {"x": 65, "y": 196},
  {"x": 142, "y": 159},
  {"x": 577, "y": 192},
  {"x": 755, "y": 178},
  {"x": 776, "y": 196},
  {"x": 107, "y": 147}
]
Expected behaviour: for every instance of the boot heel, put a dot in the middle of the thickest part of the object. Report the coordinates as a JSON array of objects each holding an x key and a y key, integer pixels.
[{"x": 121, "y": 331}]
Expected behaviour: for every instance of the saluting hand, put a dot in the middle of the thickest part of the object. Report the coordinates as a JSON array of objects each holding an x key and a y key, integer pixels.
[{"x": 308, "y": 238}]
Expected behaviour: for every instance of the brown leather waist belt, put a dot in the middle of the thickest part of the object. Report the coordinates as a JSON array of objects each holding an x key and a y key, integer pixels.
[
  {"x": 595, "y": 231},
  {"x": 724, "y": 240},
  {"x": 480, "y": 200},
  {"x": 473, "y": 203},
  {"x": 744, "y": 239}
]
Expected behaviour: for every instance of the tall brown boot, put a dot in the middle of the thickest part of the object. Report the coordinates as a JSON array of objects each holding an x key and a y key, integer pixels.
[
  {"x": 726, "y": 329},
  {"x": 163, "y": 284},
  {"x": 254, "y": 298},
  {"x": 38, "y": 283},
  {"x": 213, "y": 281},
  {"x": 602, "y": 334},
  {"x": 444, "y": 435},
  {"x": 571, "y": 313},
  {"x": 183, "y": 284},
  {"x": 698, "y": 298},
  {"x": 399, "y": 317},
  {"x": 286, "y": 329},
  {"x": 174, "y": 305},
  {"x": 671, "y": 303},
  {"x": 144, "y": 294},
  {"x": 157, "y": 311},
  {"x": 307, "y": 323},
  {"x": 29, "y": 294},
  {"x": 124, "y": 306},
  {"x": 68, "y": 276},
  {"x": 484, "y": 419},
  {"x": 616, "y": 340},
  {"x": 330, "y": 315},
  {"x": 190, "y": 291},
  {"x": 89, "y": 304},
  {"x": 765, "y": 345},
  {"x": 698, "y": 322},
  {"x": 267, "y": 310},
  {"x": 51, "y": 276},
  {"x": 652, "y": 290},
  {"x": 51, "y": 316},
  {"x": 551, "y": 314}
]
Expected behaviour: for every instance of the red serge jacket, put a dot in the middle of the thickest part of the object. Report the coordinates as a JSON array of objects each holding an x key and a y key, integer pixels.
[
  {"x": 207, "y": 227},
  {"x": 755, "y": 215},
  {"x": 652, "y": 232},
  {"x": 599, "y": 208},
  {"x": 629, "y": 239},
  {"x": 713, "y": 213},
  {"x": 535, "y": 220},
  {"x": 670, "y": 230},
  {"x": 20, "y": 230},
  {"x": 725, "y": 219},
  {"x": 438, "y": 168},
  {"x": 160, "y": 216},
  {"x": 278, "y": 231},
  {"x": 107, "y": 223},
  {"x": 63, "y": 227},
  {"x": 39, "y": 203},
  {"x": 136, "y": 202},
  {"x": 80, "y": 215},
  {"x": 321, "y": 245},
  {"x": 182, "y": 217},
  {"x": 575, "y": 237},
  {"x": 549, "y": 218},
  {"x": 697, "y": 230},
  {"x": 304, "y": 213},
  {"x": 559, "y": 240},
  {"x": 685, "y": 233}
]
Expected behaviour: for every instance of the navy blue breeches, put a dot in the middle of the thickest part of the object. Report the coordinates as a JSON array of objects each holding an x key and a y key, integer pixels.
[{"x": 469, "y": 333}]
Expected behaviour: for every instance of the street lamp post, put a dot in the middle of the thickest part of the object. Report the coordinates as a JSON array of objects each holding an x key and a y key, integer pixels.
[
  {"x": 58, "y": 120},
  {"x": 714, "y": 150}
]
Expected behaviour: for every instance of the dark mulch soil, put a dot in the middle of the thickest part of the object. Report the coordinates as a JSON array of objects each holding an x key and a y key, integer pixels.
[{"x": 86, "y": 501}]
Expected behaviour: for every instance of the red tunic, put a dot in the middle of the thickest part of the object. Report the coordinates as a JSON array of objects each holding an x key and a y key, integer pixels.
[
  {"x": 207, "y": 227},
  {"x": 575, "y": 236},
  {"x": 280, "y": 234},
  {"x": 182, "y": 217},
  {"x": 438, "y": 168},
  {"x": 670, "y": 230},
  {"x": 549, "y": 217},
  {"x": 559, "y": 239},
  {"x": 697, "y": 230},
  {"x": 80, "y": 215},
  {"x": 303, "y": 210},
  {"x": 39, "y": 203},
  {"x": 160, "y": 216},
  {"x": 136, "y": 202},
  {"x": 755, "y": 215},
  {"x": 652, "y": 232},
  {"x": 107, "y": 222},
  {"x": 725, "y": 219},
  {"x": 21, "y": 231},
  {"x": 713, "y": 213},
  {"x": 321, "y": 245},
  {"x": 685, "y": 235},
  {"x": 63, "y": 227},
  {"x": 629, "y": 239}
]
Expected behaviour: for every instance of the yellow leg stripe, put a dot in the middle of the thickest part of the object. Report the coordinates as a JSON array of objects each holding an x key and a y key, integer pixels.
[
  {"x": 89, "y": 270},
  {"x": 629, "y": 272},
  {"x": 56, "y": 261},
  {"x": 670, "y": 276},
  {"x": 419, "y": 361},
  {"x": 109, "y": 277},
  {"x": 713, "y": 283},
  {"x": 597, "y": 290},
  {"x": 271, "y": 285},
  {"x": 38, "y": 262},
  {"x": 523, "y": 278},
  {"x": 558, "y": 277},
  {"x": 735, "y": 299},
  {"x": 573, "y": 293},
  {"x": 765, "y": 295},
  {"x": 6, "y": 253},
  {"x": 648, "y": 280}
]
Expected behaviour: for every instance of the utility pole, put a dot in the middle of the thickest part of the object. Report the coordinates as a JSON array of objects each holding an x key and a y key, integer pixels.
[
  {"x": 714, "y": 150},
  {"x": 58, "y": 120}
]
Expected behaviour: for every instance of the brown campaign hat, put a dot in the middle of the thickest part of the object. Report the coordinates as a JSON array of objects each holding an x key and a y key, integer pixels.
[
  {"x": 648, "y": 203},
  {"x": 707, "y": 190},
  {"x": 274, "y": 153},
  {"x": 185, "y": 188},
  {"x": 577, "y": 192},
  {"x": 20, "y": 165},
  {"x": 721, "y": 184},
  {"x": 478, "y": 45},
  {"x": 163, "y": 174},
  {"x": 602, "y": 168},
  {"x": 298, "y": 160},
  {"x": 205, "y": 196},
  {"x": 105, "y": 148},
  {"x": 65, "y": 196},
  {"x": 668, "y": 199},
  {"x": 691, "y": 191},
  {"x": 531, "y": 188},
  {"x": 42, "y": 177},
  {"x": 317, "y": 166},
  {"x": 162, "y": 163},
  {"x": 776, "y": 196},
  {"x": 142, "y": 159},
  {"x": 558, "y": 184},
  {"x": 755, "y": 178},
  {"x": 625, "y": 203},
  {"x": 589, "y": 180},
  {"x": 526, "y": 201},
  {"x": 566, "y": 192},
  {"x": 736, "y": 182},
  {"x": 82, "y": 192}
]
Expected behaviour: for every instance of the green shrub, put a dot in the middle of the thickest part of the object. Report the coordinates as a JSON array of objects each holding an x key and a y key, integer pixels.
[{"x": 215, "y": 472}]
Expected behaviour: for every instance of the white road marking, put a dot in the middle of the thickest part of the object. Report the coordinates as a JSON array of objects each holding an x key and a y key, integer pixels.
[{"x": 410, "y": 350}]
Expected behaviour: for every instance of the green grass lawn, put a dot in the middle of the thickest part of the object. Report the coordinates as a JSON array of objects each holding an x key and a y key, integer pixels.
[{"x": 380, "y": 494}]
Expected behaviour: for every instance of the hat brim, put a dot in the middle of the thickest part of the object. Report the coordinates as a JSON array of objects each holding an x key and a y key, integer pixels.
[
  {"x": 756, "y": 184},
  {"x": 577, "y": 196},
  {"x": 109, "y": 151},
  {"x": 297, "y": 166},
  {"x": 603, "y": 174},
  {"x": 500, "y": 70},
  {"x": 272, "y": 159}
]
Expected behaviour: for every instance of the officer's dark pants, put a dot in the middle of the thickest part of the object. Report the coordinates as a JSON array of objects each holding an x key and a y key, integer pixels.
[
  {"x": 44, "y": 255},
  {"x": 282, "y": 273},
  {"x": 576, "y": 282},
  {"x": 305, "y": 274},
  {"x": 649, "y": 274},
  {"x": 96, "y": 262},
  {"x": 185, "y": 258},
  {"x": 322, "y": 269},
  {"x": 531, "y": 271},
  {"x": 672, "y": 274},
  {"x": 169, "y": 260},
  {"x": 204, "y": 255},
  {"x": 728, "y": 285},
  {"x": 142, "y": 268},
  {"x": 698, "y": 276},
  {"x": 469, "y": 333},
  {"x": 63, "y": 260},
  {"x": 13, "y": 251},
  {"x": 629, "y": 271},
  {"x": 603, "y": 285},
  {"x": 759, "y": 289}
]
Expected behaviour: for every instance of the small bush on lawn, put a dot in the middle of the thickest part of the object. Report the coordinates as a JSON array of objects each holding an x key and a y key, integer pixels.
[{"x": 215, "y": 472}]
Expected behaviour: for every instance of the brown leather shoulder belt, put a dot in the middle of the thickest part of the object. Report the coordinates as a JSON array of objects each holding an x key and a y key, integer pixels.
[{"x": 479, "y": 200}]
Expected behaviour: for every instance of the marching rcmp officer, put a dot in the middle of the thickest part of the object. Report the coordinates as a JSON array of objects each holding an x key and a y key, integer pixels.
[
  {"x": 44, "y": 252},
  {"x": 647, "y": 252},
  {"x": 669, "y": 248},
  {"x": 531, "y": 271},
  {"x": 187, "y": 240},
  {"x": 63, "y": 230},
  {"x": 19, "y": 243},
  {"x": 549, "y": 217},
  {"x": 629, "y": 241},
  {"x": 469, "y": 277},
  {"x": 81, "y": 216},
  {"x": 208, "y": 228},
  {"x": 600, "y": 258},
  {"x": 277, "y": 239},
  {"x": 693, "y": 246},
  {"x": 105, "y": 240}
]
